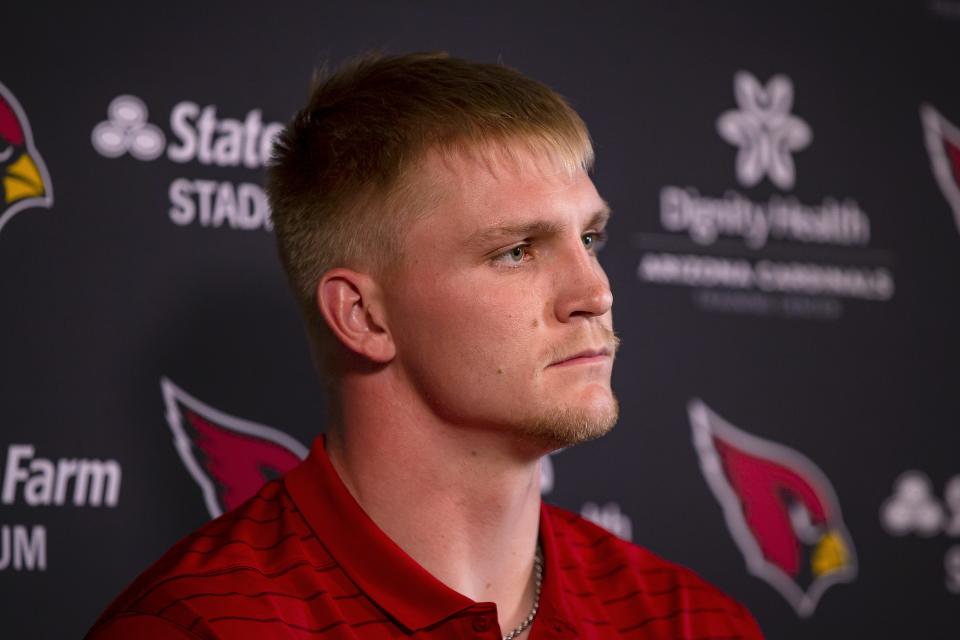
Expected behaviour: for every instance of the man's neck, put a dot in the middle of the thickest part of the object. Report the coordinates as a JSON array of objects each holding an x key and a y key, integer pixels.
[{"x": 461, "y": 502}]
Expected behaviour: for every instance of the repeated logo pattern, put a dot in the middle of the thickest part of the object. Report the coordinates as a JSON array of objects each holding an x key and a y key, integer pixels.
[
  {"x": 780, "y": 508},
  {"x": 229, "y": 457},
  {"x": 24, "y": 181},
  {"x": 914, "y": 510},
  {"x": 126, "y": 130},
  {"x": 943, "y": 145},
  {"x": 764, "y": 130}
]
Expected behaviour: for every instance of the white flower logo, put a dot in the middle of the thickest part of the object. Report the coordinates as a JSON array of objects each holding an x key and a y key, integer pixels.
[{"x": 764, "y": 130}]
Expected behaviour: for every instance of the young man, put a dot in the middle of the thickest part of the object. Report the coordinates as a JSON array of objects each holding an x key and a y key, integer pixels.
[{"x": 440, "y": 230}]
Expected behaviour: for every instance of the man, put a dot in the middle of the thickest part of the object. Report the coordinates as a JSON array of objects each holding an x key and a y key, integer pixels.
[{"x": 439, "y": 228}]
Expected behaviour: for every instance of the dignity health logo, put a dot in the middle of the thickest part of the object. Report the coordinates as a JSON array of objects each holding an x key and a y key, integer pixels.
[
  {"x": 794, "y": 259},
  {"x": 196, "y": 135},
  {"x": 764, "y": 130}
]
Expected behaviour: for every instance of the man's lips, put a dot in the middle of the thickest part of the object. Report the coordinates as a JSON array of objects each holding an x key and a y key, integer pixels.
[{"x": 588, "y": 356}]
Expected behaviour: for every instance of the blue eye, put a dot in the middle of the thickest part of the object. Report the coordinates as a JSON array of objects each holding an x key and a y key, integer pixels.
[
  {"x": 517, "y": 254},
  {"x": 594, "y": 240},
  {"x": 514, "y": 256}
]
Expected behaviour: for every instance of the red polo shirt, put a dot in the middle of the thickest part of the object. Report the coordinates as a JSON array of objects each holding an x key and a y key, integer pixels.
[{"x": 303, "y": 560}]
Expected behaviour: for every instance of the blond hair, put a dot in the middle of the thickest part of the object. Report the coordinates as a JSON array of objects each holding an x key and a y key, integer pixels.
[{"x": 341, "y": 165}]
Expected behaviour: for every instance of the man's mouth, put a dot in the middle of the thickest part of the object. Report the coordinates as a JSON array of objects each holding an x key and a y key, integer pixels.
[{"x": 587, "y": 356}]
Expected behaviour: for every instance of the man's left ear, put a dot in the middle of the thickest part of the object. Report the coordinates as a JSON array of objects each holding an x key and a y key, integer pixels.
[{"x": 352, "y": 304}]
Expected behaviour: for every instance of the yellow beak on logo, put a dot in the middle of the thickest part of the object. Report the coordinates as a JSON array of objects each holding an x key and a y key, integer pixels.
[
  {"x": 22, "y": 180},
  {"x": 830, "y": 554}
]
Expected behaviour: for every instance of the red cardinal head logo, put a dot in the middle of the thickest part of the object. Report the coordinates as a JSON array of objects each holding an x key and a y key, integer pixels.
[
  {"x": 24, "y": 181},
  {"x": 943, "y": 146},
  {"x": 230, "y": 458},
  {"x": 779, "y": 507}
]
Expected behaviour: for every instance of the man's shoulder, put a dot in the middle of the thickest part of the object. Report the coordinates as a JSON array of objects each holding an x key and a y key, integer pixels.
[
  {"x": 622, "y": 575},
  {"x": 252, "y": 549}
]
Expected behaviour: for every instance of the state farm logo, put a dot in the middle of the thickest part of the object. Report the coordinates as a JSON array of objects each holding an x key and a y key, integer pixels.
[
  {"x": 35, "y": 481},
  {"x": 914, "y": 510},
  {"x": 779, "y": 507},
  {"x": 126, "y": 130},
  {"x": 772, "y": 257},
  {"x": 24, "y": 181},
  {"x": 196, "y": 135},
  {"x": 942, "y": 139},
  {"x": 764, "y": 130}
]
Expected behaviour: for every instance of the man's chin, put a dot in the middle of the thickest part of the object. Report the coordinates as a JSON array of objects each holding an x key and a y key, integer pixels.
[{"x": 566, "y": 426}]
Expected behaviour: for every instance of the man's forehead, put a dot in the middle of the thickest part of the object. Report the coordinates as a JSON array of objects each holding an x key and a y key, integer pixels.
[
  {"x": 512, "y": 187},
  {"x": 501, "y": 161}
]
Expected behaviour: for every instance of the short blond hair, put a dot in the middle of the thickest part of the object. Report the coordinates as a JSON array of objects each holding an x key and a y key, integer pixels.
[{"x": 340, "y": 165}]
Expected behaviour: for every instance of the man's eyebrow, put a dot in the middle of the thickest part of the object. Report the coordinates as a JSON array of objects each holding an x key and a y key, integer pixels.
[
  {"x": 601, "y": 217},
  {"x": 534, "y": 228}
]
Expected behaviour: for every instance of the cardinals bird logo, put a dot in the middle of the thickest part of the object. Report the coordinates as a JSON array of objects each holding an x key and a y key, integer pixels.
[
  {"x": 230, "y": 458},
  {"x": 943, "y": 146},
  {"x": 24, "y": 181},
  {"x": 779, "y": 507}
]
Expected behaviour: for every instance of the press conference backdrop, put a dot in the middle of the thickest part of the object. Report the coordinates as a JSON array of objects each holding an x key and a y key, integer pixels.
[{"x": 784, "y": 256}]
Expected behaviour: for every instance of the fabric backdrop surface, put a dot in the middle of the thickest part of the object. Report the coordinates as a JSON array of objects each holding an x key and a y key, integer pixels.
[{"x": 784, "y": 258}]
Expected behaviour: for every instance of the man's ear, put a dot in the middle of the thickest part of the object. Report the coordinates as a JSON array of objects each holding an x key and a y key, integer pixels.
[{"x": 352, "y": 305}]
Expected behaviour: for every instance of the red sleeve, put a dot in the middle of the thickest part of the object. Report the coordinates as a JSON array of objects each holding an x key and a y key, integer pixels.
[{"x": 142, "y": 626}]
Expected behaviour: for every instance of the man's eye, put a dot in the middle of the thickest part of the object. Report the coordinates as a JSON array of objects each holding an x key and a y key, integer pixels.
[
  {"x": 513, "y": 256},
  {"x": 594, "y": 240}
]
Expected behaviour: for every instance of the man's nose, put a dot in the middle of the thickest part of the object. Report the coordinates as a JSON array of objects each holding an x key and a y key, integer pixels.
[{"x": 583, "y": 288}]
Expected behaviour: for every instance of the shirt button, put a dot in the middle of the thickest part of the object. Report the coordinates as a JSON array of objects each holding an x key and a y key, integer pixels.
[{"x": 481, "y": 624}]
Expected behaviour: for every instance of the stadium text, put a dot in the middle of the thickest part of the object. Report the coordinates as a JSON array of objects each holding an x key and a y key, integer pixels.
[{"x": 23, "y": 549}]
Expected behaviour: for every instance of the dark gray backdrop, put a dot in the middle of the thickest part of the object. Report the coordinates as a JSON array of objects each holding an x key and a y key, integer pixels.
[{"x": 102, "y": 294}]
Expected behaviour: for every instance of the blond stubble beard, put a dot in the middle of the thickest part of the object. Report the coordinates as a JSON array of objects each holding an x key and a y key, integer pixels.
[{"x": 568, "y": 426}]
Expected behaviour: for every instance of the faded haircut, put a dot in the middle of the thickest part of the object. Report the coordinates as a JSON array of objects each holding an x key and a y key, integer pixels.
[{"x": 339, "y": 180}]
